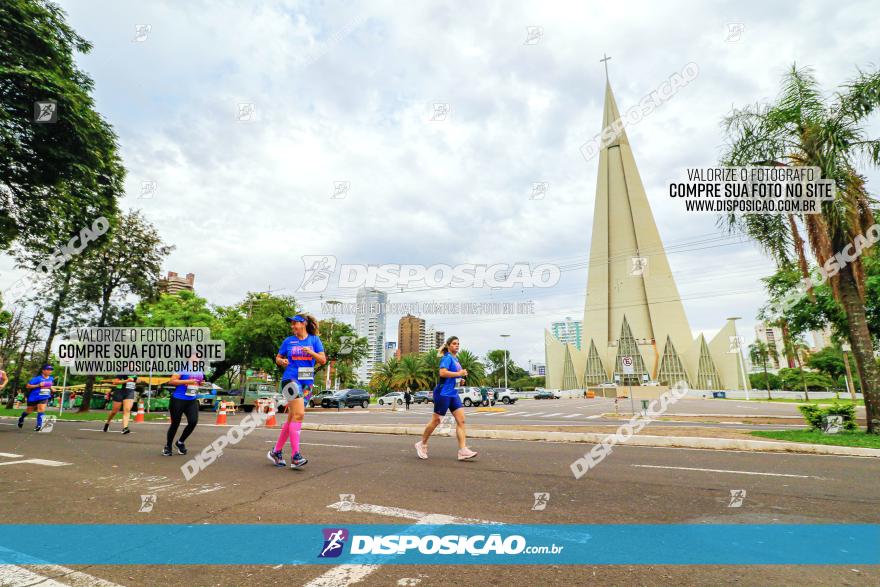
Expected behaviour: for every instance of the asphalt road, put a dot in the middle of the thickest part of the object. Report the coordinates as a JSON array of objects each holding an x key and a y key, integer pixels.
[
  {"x": 108, "y": 474},
  {"x": 572, "y": 413}
]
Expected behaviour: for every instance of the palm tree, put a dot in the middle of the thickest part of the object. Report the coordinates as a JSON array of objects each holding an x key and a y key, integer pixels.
[
  {"x": 759, "y": 352},
  {"x": 476, "y": 370},
  {"x": 384, "y": 375},
  {"x": 432, "y": 366},
  {"x": 803, "y": 129},
  {"x": 411, "y": 373}
]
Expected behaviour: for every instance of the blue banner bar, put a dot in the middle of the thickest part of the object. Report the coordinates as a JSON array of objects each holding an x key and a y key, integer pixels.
[{"x": 562, "y": 544}]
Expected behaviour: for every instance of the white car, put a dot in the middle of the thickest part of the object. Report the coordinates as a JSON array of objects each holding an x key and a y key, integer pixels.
[
  {"x": 470, "y": 396},
  {"x": 391, "y": 398}
]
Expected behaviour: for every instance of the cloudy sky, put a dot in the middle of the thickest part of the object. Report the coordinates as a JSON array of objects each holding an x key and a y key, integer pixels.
[{"x": 345, "y": 92}]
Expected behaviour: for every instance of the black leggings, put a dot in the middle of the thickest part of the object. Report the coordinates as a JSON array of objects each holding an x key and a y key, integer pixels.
[{"x": 177, "y": 409}]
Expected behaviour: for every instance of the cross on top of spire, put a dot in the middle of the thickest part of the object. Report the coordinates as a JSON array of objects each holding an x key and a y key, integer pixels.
[{"x": 605, "y": 61}]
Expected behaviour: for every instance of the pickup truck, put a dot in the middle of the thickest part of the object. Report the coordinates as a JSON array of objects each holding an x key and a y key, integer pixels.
[{"x": 258, "y": 390}]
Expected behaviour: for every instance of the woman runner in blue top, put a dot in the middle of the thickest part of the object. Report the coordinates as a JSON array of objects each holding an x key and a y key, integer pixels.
[
  {"x": 446, "y": 399},
  {"x": 39, "y": 393},
  {"x": 298, "y": 356},
  {"x": 183, "y": 401}
]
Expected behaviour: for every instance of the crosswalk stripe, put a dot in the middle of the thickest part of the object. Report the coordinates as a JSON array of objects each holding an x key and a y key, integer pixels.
[
  {"x": 553, "y": 414},
  {"x": 571, "y": 415}
]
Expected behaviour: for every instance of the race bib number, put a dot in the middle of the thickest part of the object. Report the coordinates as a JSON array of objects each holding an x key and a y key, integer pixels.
[
  {"x": 44, "y": 392},
  {"x": 129, "y": 385},
  {"x": 305, "y": 373},
  {"x": 192, "y": 390}
]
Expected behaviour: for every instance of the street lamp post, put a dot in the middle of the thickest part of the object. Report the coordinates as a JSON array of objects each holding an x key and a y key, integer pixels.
[
  {"x": 506, "y": 359},
  {"x": 330, "y": 366},
  {"x": 850, "y": 385}
]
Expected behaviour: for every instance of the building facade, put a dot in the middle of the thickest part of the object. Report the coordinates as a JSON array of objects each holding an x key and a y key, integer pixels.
[
  {"x": 174, "y": 284},
  {"x": 634, "y": 326},
  {"x": 369, "y": 323},
  {"x": 410, "y": 334}
]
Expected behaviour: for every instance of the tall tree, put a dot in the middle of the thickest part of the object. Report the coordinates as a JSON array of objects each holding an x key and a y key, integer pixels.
[
  {"x": 68, "y": 166},
  {"x": 129, "y": 263},
  {"x": 802, "y": 128}
]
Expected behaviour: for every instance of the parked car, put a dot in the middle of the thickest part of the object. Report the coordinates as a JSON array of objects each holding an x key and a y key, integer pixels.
[
  {"x": 471, "y": 396},
  {"x": 423, "y": 397},
  {"x": 652, "y": 384},
  {"x": 316, "y": 400},
  {"x": 546, "y": 394},
  {"x": 505, "y": 396},
  {"x": 391, "y": 398},
  {"x": 348, "y": 398},
  {"x": 254, "y": 391}
]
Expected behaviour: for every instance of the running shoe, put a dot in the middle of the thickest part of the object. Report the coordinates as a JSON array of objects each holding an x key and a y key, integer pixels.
[
  {"x": 167, "y": 451},
  {"x": 126, "y": 430},
  {"x": 20, "y": 421},
  {"x": 465, "y": 454},
  {"x": 181, "y": 448},
  {"x": 277, "y": 458},
  {"x": 106, "y": 426},
  {"x": 422, "y": 450},
  {"x": 37, "y": 428},
  {"x": 298, "y": 461}
]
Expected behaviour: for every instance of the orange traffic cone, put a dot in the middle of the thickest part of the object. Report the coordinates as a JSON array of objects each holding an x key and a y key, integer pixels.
[
  {"x": 270, "y": 421},
  {"x": 139, "y": 417},
  {"x": 221, "y": 414}
]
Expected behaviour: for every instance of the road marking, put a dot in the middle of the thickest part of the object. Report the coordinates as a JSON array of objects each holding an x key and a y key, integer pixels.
[
  {"x": 10, "y": 455},
  {"x": 728, "y": 471},
  {"x": 516, "y": 414},
  {"x": 74, "y": 578},
  {"x": 527, "y": 414},
  {"x": 43, "y": 462},
  {"x": 571, "y": 415},
  {"x": 319, "y": 444},
  {"x": 99, "y": 430},
  {"x": 594, "y": 417},
  {"x": 15, "y": 576}
]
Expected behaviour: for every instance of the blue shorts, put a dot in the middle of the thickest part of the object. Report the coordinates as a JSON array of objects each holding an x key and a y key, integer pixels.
[
  {"x": 442, "y": 403},
  {"x": 305, "y": 389}
]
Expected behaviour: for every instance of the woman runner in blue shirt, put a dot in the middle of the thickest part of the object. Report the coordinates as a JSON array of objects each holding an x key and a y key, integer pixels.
[
  {"x": 446, "y": 399},
  {"x": 39, "y": 393},
  {"x": 183, "y": 401},
  {"x": 298, "y": 356}
]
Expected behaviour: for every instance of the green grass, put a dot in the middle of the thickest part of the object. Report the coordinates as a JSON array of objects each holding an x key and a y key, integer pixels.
[
  {"x": 858, "y": 438},
  {"x": 74, "y": 415}
]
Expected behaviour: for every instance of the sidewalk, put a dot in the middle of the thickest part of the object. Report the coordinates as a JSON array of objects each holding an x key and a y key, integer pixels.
[{"x": 657, "y": 438}]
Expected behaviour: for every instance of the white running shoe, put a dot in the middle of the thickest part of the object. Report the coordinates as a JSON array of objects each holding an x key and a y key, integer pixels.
[
  {"x": 465, "y": 454},
  {"x": 422, "y": 450}
]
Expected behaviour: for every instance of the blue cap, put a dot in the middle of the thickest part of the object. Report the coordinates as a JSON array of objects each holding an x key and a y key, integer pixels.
[
  {"x": 297, "y": 318},
  {"x": 47, "y": 366}
]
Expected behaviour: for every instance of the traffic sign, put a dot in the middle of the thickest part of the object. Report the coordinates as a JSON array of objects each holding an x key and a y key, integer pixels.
[{"x": 627, "y": 363}]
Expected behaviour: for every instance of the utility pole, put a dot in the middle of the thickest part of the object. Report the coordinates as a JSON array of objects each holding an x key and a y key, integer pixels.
[
  {"x": 845, "y": 347},
  {"x": 506, "y": 359}
]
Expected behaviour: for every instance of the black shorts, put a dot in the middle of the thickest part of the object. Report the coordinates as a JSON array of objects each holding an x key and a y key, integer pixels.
[
  {"x": 37, "y": 402},
  {"x": 122, "y": 394}
]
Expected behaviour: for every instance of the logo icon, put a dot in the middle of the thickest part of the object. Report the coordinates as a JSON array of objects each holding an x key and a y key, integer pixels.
[
  {"x": 318, "y": 269},
  {"x": 737, "y": 496},
  {"x": 340, "y": 190},
  {"x": 334, "y": 540},
  {"x": 541, "y": 500},
  {"x": 247, "y": 112},
  {"x": 534, "y": 34},
  {"x": 832, "y": 424},
  {"x": 140, "y": 32},
  {"x": 734, "y": 32},
  {"x": 147, "y": 503},
  {"x": 539, "y": 191},
  {"x": 46, "y": 111},
  {"x": 346, "y": 344},
  {"x": 148, "y": 190},
  {"x": 346, "y": 501},
  {"x": 639, "y": 266},
  {"x": 734, "y": 344},
  {"x": 441, "y": 111},
  {"x": 49, "y": 424}
]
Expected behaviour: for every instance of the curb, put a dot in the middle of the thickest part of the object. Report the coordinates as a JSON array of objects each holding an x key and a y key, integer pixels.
[{"x": 636, "y": 440}]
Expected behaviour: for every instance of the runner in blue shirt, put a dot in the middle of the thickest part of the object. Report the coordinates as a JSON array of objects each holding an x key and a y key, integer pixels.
[
  {"x": 298, "y": 356},
  {"x": 446, "y": 399},
  {"x": 183, "y": 402},
  {"x": 39, "y": 393}
]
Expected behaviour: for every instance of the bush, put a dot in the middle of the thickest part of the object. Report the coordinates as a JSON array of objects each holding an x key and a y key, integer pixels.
[{"x": 815, "y": 416}]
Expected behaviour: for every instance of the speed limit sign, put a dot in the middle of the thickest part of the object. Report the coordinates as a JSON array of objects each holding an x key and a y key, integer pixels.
[{"x": 627, "y": 363}]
